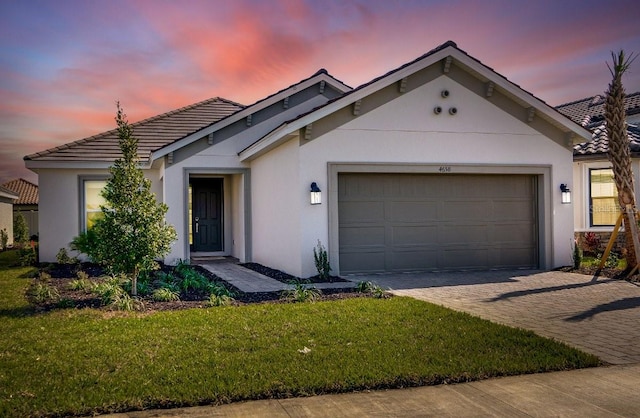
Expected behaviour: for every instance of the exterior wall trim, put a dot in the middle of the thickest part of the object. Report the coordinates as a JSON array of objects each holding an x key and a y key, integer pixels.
[{"x": 246, "y": 176}]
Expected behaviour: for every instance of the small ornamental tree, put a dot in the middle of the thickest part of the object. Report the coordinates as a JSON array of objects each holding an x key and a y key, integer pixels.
[
  {"x": 132, "y": 234},
  {"x": 20, "y": 230}
]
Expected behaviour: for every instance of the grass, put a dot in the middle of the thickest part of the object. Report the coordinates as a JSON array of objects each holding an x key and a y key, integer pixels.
[{"x": 71, "y": 362}]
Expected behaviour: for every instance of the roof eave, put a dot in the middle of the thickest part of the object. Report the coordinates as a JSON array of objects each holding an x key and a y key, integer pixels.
[
  {"x": 280, "y": 135},
  {"x": 241, "y": 114}
]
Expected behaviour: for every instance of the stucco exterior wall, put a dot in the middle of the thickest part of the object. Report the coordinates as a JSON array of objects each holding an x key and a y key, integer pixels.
[
  {"x": 59, "y": 215},
  {"x": 278, "y": 197},
  {"x": 406, "y": 131},
  {"x": 6, "y": 219}
]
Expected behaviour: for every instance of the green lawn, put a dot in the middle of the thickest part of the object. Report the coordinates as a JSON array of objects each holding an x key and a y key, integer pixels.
[{"x": 85, "y": 361}]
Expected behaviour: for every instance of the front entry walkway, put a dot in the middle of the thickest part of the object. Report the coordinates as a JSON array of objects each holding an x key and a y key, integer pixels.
[{"x": 601, "y": 317}]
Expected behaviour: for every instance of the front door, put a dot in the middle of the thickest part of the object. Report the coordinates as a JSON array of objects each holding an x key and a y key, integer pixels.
[{"x": 207, "y": 223}]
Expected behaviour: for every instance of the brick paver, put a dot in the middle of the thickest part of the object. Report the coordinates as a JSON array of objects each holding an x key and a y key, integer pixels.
[{"x": 600, "y": 316}]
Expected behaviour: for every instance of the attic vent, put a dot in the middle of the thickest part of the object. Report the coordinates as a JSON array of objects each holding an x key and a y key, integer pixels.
[
  {"x": 210, "y": 139},
  {"x": 285, "y": 103},
  {"x": 249, "y": 120},
  {"x": 596, "y": 100},
  {"x": 489, "y": 89},
  {"x": 322, "y": 84}
]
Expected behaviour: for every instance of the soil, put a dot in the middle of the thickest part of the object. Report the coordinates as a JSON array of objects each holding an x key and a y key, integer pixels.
[
  {"x": 605, "y": 272},
  {"x": 288, "y": 278},
  {"x": 63, "y": 274}
]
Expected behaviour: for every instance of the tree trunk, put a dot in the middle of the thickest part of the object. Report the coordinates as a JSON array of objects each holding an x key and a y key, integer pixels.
[{"x": 619, "y": 153}]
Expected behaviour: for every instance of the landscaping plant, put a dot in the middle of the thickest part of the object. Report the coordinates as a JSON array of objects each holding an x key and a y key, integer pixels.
[
  {"x": 4, "y": 239},
  {"x": 300, "y": 292},
  {"x": 20, "y": 230},
  {"x": 321, "y": 259},
  {"x": 132, "y": 232}
]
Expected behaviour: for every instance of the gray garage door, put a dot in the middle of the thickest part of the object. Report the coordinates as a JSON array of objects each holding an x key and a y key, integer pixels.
[{"x": 404, "y": 222}]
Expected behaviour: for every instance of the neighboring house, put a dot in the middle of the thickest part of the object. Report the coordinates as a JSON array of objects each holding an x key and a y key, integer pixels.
[
  {"x": 594, "y": 191},
  {"x": 7, "y": 197},
  {"x": 439, "y": 164},
  {"x": 27, "y": 202}
]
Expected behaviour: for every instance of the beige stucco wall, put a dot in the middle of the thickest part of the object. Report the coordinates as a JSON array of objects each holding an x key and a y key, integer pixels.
[
  {"x": 6, "y": 219},
  {"x": 59, "y": 206},
  {"x": 278, "y": 200},
  {"x": 406, "y": 131}
]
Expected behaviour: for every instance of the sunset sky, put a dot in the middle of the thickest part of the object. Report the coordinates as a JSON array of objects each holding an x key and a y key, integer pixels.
[{"x": 64, "y": 64}]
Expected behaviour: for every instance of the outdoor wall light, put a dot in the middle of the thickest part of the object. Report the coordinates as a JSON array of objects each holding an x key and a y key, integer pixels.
[
  {"x": 566, "y": 193},
  {"x": 316, "y": 194}
]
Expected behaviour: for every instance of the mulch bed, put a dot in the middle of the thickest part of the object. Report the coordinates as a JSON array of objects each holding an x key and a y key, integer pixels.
[
  {"x": 63, "y": 274},
  {"x": 288, "y": 278}
]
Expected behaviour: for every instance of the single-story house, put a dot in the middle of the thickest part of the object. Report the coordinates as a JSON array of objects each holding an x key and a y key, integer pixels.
[
  {"x": 27, "y": 202},
  {"x": 595, "y": 196},
  {"x": 441, "y": 163},
  {"x": 7, "y": 197}
]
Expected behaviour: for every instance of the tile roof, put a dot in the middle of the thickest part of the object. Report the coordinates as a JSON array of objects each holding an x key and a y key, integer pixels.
[
  {"x": 152, "y": 133},
  {"x": 589, "y": 112},
  {"x": 599, "y": 144},
  {"x": 27, "y": 191}
]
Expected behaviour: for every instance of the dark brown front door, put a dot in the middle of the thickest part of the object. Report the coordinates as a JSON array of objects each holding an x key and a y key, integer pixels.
[{"x": 207, "y": 215}]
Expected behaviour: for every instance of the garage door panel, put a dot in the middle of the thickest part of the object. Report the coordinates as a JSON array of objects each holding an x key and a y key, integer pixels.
[
  {"x": 362, "y": 211},
  {"x": 400, "y": 222},
  {"x": 414, "y": 259},
  {"x": 414, "y": 235},
  {"x": 363, "y": 236},
  {"x": 457, "y": 210},
  {"x": 361, "y": 261},
  {"x": 462, "y": 258},
  {"x": 410, "y": 211},
  {"x": 513, "y": 233},
  {"x": 463, "y": 234},
  {"x": 510, "y": 210}
]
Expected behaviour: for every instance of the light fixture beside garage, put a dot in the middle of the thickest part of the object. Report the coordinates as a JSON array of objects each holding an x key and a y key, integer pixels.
[
  {"x": 566, "y": 193},
  {"x": 316, "y": 194}
]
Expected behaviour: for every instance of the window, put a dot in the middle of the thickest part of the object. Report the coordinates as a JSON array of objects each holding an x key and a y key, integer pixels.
[
  {"x": 603, "y": 197},
  {"x": 92, "y": 201}
]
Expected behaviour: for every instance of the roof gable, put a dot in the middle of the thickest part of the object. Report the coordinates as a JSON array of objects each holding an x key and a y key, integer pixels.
[
  {"x": 8, "y": 194},
  {"x": 27, "y": 192},
  {"x": 446, "y": 59}
]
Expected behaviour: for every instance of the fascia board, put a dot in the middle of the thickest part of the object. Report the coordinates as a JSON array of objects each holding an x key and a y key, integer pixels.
[
  {"x": 275, "y": 137},
  {"x": 83, "y": 165},
  {"x": 521, "y": 94},
  {"x": 8, "y": 195},
  {"x": 247, "y": 111}
]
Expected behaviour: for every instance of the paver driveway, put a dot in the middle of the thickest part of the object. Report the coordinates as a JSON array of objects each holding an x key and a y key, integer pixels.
[{"x": 600, "y": 316}]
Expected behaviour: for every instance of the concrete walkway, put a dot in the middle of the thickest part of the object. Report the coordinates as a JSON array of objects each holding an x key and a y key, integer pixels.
[
  {"x": 598, "y": 392},
  {"x": 250, "y": 281},
  {"x": 599, "y": 316}
]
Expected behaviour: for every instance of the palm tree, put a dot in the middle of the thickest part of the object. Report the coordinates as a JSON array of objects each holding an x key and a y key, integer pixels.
[{"x": 619, "y": 153}]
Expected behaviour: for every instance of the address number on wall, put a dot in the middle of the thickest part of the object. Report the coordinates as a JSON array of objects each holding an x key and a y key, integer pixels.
[{"x": 445, "y": 169}]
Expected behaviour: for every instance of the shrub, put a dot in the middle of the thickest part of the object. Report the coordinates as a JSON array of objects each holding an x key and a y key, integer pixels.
[
  {"x": 219, "y": 300},
  {"x": 576, "y": 255},
  {"x": 4, "y": 239},
  {"x": 164, "y": 294},
  {"x": 28, "y": 255},
  {"x": 41, "y": 292},
  {"x": 321, "y": 259},
  {"x": 80, "y": 284},
  {"x": 63, "y": 257},
  {"x": 371, "y": 288},
  {"x": 219, "y": 289},
  {"x": 109, "y": 291},
  {"x": 301, "y": 293},
  {"x": 124, "y": 302},
  {"x": 20, "y": 230}
]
